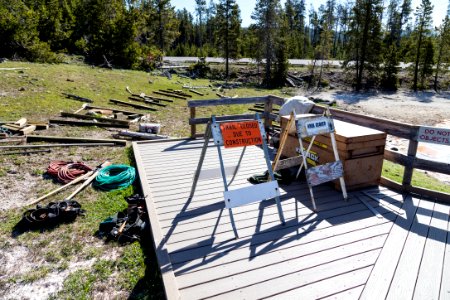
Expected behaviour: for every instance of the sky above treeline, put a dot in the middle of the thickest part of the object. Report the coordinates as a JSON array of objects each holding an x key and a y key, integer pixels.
[{"x": 247, "y": 7}]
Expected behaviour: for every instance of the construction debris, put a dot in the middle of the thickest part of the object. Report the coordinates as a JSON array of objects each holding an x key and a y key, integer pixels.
[
  {"x": 88, "y": 123},
  {"x": 132, "y": 104},
  {"x": 170, "y": 95},
  {"x": 99, "y": 119},
  {"x": 151, "y": 102},
  {"x": 19, "y": 127},
  {"x": 78, "y": 98},
  {"x": 195, "y": 92},
  {"x": 64, "y": 139},
  {"x": 26, "y": 152},
  {"x": 125, "y": 112},
  {"x": 142, "y": 135},
  {"x": 60, "y": 145}
]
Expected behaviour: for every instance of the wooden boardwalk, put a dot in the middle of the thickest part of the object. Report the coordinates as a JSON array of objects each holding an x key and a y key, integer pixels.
[{"x": 343, "y": 251}]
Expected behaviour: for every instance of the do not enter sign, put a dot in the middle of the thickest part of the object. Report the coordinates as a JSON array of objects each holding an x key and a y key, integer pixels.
[{"x": 240, "y": 134}]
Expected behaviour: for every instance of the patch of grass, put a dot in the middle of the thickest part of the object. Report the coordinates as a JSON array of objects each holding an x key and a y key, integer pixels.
[
  {"x": 77, "y": 285},
  {"x": 37, "y": 172},
  {"x": 35, "y": 274},
  {"x": 132, "y": 266},
  {"x": 395, "y": 172},
  {"x": 103, "y": 269},
  {"x": 3, "y": 172}
]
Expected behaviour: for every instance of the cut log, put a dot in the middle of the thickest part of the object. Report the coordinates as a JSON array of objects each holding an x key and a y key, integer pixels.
[
  {"x": 88, "y": 123},
  {"x": 21, "y": 122},
  {"x": 27, "y": 130},
  {"x": 11, "y": 127},
  {"x": 87, "y": 117},
  {"x": 77, "y": 140},
  {"x": 132, "y": 105}
]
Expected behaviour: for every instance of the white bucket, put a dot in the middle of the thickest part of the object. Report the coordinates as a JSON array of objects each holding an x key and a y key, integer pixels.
[{"x": 150, "y": 127}]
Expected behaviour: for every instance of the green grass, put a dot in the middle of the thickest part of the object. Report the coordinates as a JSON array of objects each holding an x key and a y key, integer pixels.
[
  {"x": 420, "y": 179},
  {"x": 43, "y": 84}
]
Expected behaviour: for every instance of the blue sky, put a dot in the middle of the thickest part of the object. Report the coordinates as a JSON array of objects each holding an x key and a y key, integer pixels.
[{"x": 247, "y": 6}]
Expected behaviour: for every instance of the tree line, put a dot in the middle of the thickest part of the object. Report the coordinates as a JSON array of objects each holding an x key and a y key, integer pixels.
[{"x": 371, "y": 37}]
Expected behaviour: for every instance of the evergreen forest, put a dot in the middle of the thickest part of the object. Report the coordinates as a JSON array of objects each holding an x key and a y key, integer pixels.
[{"x": 370, "y": 37}]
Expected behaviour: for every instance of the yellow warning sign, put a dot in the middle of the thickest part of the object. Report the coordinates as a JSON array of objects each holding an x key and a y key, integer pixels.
[{"x": 240, "y": 134}]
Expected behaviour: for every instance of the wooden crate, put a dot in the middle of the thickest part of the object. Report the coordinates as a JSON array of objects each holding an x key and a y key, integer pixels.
[{"x": 360, "y": 149}]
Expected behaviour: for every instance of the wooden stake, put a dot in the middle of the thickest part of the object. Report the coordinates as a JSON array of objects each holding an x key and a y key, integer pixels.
[
  {"x": 283, "y": 140},
  {"x": 76, "y": 180},
  {"x": 89, "y": 180}
]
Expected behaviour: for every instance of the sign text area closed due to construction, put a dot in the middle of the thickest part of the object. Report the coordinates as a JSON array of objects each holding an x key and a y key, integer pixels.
[
  {"x": 434, "y": 135},
  {"x": 240, "y": 134}
]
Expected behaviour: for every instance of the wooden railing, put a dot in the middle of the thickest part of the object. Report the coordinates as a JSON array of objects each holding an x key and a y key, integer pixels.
[
  {"x": 402, "y": 130},
  {"x": 267, "y": 114},
  {"x": 409, "y": 161}
]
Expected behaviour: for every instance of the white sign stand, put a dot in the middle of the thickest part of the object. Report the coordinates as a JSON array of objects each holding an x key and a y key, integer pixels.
[
  {"x": 311, "y": 127},
  {"x": 246, "y": 195}
]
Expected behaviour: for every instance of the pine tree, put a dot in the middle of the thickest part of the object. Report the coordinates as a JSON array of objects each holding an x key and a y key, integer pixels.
[
  {"x": 229, "y": 25},
  {"x": 267, "y": 15},
  {"x": 443, "y": 56},
  {"x": 200, "y": 9},
  {"x": 364, "y": 49},
  {"x": 421, "y": 32},
  {"x": 161, "y": 20}
]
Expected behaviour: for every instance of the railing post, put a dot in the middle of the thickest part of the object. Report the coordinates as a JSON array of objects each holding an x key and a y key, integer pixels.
[
  {"x": 407, "y": 175},
  {"x": 193, "y": 126},
  {"x": 268, "y": 106}
]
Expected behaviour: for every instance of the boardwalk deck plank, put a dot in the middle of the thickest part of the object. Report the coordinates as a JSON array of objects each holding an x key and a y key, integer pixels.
[
  {"x": 428, "y": 284},
  {"x": 342, "y": 251}
]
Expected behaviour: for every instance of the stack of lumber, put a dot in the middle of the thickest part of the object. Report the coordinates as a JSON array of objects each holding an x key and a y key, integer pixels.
[{"x": 19, "y": 127}]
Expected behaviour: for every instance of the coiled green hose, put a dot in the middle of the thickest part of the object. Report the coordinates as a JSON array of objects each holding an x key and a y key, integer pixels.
[{"x": 115, "y": 177}]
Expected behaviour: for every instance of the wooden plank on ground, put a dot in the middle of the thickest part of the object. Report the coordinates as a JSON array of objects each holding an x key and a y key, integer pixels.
[
  {"x": 384, "y": 269},
  {"x": 87, "y": 117},
  {"x": 87, "y": 123},
  {"x": 28, "y": 129},
  {"x": 62, "y": 139},
  {"x": 125, "y": 112},
  {"x": 140, "y": 106},
  {"x": 169, "y": 95},
  {"x": 429, "y": 281}
]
